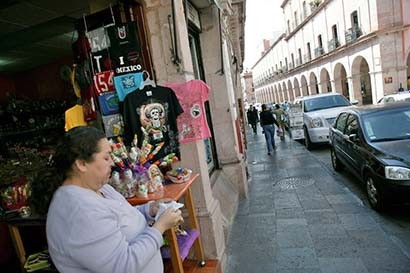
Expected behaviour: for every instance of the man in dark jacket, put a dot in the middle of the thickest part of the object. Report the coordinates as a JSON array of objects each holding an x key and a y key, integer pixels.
[
  {"x": 267, "y": 120},
  {"x": 252, "y": 116}
]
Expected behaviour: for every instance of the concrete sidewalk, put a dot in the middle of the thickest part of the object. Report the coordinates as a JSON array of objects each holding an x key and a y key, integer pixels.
[{"x": 300, "y": 218}]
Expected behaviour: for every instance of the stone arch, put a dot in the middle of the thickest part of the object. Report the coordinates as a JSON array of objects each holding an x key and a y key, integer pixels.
[
  {"x": 296, "y": 87},
  {"x": 284, "y": 92},
  {"x": 313, "y": 86},
  {"x": 341, "y": 82},
  {"x": 362, "y": 87},
  {"x": 305, "y": 88},
  {"x": 272, "y": 98},
  {"x": 275, "y": 93},
  {"x": 280, "y": 94},
  {"x": 325, "y": 83},
  {"x": 290, "y": 92}
]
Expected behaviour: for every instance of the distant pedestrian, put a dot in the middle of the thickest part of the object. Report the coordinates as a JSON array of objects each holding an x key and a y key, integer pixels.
[
  {"x": 252, "y": 115},
  {"x": 281, "y": 119},
  {"x": 267, "y": 120}
]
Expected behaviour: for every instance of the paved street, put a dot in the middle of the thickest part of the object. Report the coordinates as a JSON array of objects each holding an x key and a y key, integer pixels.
[{"x": 301, "y": 216}]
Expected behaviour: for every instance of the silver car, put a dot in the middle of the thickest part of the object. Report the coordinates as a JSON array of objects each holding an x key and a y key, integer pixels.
[{"x": 319, "y": 112}]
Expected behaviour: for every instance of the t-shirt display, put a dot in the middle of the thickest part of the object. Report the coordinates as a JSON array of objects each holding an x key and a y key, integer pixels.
[
  {"x": 98, "y": 39},
  {"x": 192, "y": 124},
  {"x": 125, "y": 49},
  {"x": 125, "y": 84},
  {"x": 104, "y": 82},
  {"x": 151, "y": 113},
  {"x": 74, "y": 117}
]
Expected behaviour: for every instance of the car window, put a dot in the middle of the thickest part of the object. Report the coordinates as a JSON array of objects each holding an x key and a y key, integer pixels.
[
  {"x": 325, "y": 102},
  {"x": 352, "y": 126},
  {"x": 341, "y": 122},
  {"x": 389, "y": 125}
]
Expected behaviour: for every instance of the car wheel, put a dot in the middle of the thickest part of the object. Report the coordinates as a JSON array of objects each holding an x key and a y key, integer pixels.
[
  {"x": 336, "y": 163},
  {"x": 374, "y": 194},
  {"x": 308, "y": 143}
]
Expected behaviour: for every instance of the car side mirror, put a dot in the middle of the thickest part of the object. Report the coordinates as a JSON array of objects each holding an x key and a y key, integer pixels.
[
  {"x": 354, "y": 137},
  {"x": 354, "y": 102}
]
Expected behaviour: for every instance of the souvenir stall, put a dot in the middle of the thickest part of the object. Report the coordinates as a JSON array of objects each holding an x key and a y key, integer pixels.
[{"x": 144, "y": 122}]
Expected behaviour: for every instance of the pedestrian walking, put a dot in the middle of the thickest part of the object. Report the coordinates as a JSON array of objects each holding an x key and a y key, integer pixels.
[
  {"x": 280, "y": 118},
  {"x": 252, "y": 116},
  {"x": 267, "y": 120}
]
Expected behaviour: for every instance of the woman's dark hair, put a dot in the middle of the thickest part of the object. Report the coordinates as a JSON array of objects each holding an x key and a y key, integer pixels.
[
  {"x": 78, "y": 143},
  {"x": 264, "y": 107}
]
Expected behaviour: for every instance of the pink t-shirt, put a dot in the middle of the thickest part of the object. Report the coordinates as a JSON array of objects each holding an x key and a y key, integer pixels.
[{"x": 192, "y": 124}]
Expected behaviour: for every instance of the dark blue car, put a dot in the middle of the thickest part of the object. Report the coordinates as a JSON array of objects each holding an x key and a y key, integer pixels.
[{"x": 373, "y": 142}]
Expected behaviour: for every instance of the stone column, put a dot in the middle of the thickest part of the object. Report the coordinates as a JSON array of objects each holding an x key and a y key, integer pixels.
[{"x": 193, "y": 155}]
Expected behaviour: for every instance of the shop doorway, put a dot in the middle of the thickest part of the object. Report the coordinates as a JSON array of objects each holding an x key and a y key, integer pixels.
[
  {"x": 313, "y": 86},
  {"x": 305, "y": 89},
  {"x": 341, "y": 83},
  {"x": 325, "y": 81},
  {"x": 296, "y": 87},
  {"x": 361, "y": 81}
]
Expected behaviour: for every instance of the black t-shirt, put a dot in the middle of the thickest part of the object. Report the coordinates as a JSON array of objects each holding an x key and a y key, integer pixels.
[
  {"x": 157, "y": 115},
  {"x": 125, "y": 49},
  {"x": 266, "y": 118}
]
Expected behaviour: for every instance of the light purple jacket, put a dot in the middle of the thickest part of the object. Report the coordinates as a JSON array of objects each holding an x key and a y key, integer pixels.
[{"x": 88, "y": 233}]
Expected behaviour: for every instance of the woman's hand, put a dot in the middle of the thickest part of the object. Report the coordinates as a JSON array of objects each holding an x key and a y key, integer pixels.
[
  {"x": 154, "y": 207},
  {"x": 168, "y": 219}
]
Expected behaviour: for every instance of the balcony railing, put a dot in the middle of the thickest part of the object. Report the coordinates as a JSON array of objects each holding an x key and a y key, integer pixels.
[
  {"x": 291, "y": 66},
  {"x": 333, "y": 44},
  {"x": 352, "y": 34},
  {"x": 307, "y": 58},
  {"x": 319, "y": 51},
  {"x": 298, "y": 62}
]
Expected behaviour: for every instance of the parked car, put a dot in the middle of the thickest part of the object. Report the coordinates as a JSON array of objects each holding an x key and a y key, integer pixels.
[
  {"x": 319, "y": 112},
  {"x": 373, "y": 143},
  {"x": 401, "y": 96}
]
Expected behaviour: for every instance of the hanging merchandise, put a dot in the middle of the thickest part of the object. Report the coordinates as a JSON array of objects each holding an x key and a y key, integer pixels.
[
  {"x": 89, "y": 107},
  {"x": 109, "y": 103},
  {"x": 192, "y": 124},
  {"x": 98, "y": 39},
  {"x": 74, "y": 117},
  {"x": 81, "y": 48},
  {"x": 113, "y": 125},
  {"x": 125, "y": 84},
  {"x": 125, "y": 50},
  {"x": 152, "y": 113},
  {"x": 101, "y": 61},
  {"x": 104, "y": 82}
]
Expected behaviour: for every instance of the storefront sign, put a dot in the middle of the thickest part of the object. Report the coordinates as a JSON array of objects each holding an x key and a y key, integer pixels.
[{"x": 388, "y": 80}]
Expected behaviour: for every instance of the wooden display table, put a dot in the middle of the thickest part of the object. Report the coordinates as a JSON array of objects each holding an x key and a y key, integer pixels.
[{"x": 175, "y": 192}]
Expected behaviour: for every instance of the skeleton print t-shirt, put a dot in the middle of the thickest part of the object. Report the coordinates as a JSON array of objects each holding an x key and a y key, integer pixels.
[{"x": 152, "y": 114}]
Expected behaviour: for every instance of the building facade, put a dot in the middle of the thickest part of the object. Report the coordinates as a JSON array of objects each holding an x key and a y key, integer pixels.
[
  {"x": 249, "y": 90},
  {"x": 357, "y": 48}
]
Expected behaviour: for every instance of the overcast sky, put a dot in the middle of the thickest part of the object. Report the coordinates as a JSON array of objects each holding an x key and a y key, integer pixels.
[{"x": 264, "y": 20}]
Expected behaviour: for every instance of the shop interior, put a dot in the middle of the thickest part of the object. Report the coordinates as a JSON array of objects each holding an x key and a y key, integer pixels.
[
  {"x": 36, "y": 62},
  {"x": 38, "y": 47}
]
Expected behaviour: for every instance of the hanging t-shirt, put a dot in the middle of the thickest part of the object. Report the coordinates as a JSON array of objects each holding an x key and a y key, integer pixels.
[
  {"x": 74, "y": 117},
  {"x": 155, "y": 110},
  {"x": 125, "y": 49},
  {"x": 127, "y": 83},
  {"x": 192, "y": 124},
  {"x": 98, "y": 39},
  {"x": 104, "y": 82},
  {"x": 101, "y": 61}
]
